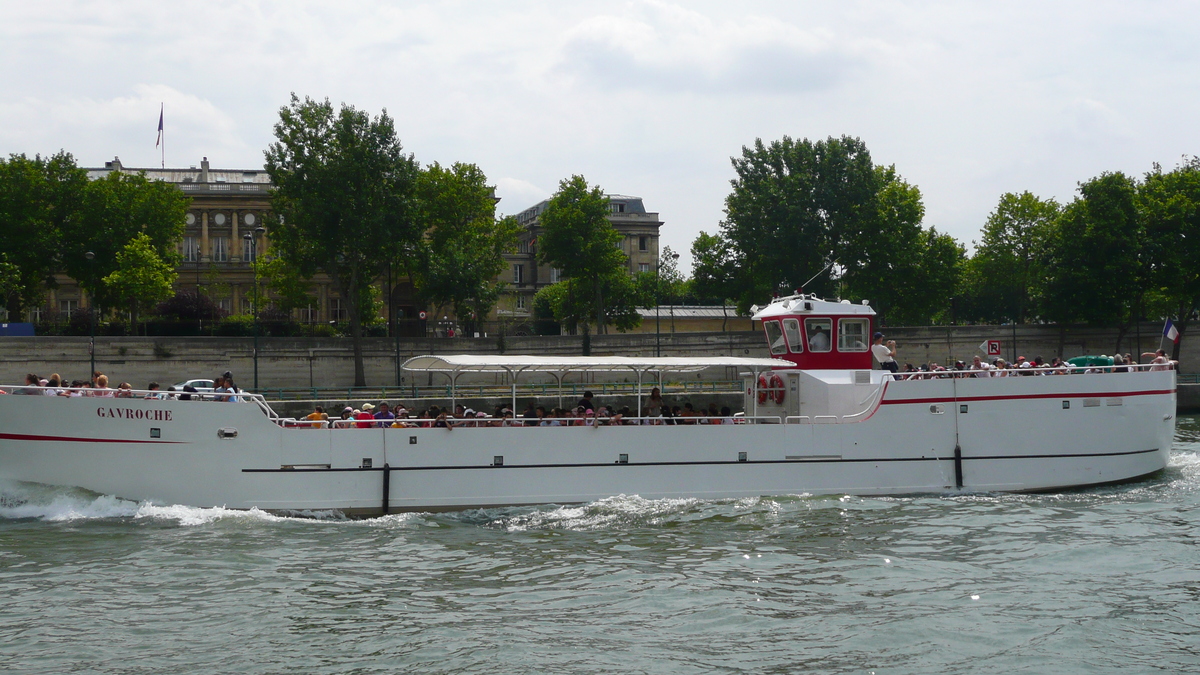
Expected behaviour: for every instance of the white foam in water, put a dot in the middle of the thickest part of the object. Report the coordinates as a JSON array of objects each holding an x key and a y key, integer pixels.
[
  {"x": 598, "y": 514},
  {"x": 56, "y": 504}
]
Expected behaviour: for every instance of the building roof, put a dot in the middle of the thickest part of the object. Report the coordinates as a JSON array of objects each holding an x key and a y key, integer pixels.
[{"x": 690, "y": 312}]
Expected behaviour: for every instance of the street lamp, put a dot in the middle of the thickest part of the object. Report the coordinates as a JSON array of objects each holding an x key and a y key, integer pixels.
[
  {"x": 91, "y": 258},
  {"x": 252, "y": 241},
  {"x": 657, "y": 305}
]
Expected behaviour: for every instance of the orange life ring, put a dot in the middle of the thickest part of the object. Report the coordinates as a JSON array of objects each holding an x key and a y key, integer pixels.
[
  {"x": 778, "y": 388},
  {"x": 762, "y": 389}
]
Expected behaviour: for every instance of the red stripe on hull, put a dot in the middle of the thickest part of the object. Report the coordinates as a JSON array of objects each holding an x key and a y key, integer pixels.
[
  {"x": 963, "y": 399},
  {"x": 68, "y": 439}
]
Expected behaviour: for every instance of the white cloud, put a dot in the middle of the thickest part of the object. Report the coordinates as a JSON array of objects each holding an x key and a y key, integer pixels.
[{"x": 660, "y": 46}]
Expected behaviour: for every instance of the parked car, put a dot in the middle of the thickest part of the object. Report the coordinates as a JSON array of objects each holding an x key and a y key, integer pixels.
[{"x": 203, "y": 386}]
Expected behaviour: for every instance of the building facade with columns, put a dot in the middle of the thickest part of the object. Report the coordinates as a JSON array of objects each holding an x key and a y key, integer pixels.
[{"x": 227, "y": 204}]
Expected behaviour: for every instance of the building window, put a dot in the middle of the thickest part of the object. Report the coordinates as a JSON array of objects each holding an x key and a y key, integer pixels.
[
  {"x": 250, "y": 252},
  {"x": 35, "y": 315},
  {"x": 220, "y": 249},
  {"x": 520, "y": 302},
  {"x": 225, "y": 304},
  {"x": 616, "y": 208},
  {"x": 643, "y": 267},
  {"x": 555, "y": 275},
  {"x": 518, "y": 274},
  {"x": 523, "y": 246},
  {"x": 191, "y": 249},
  {"x": 643, "y": 243},
  {"x": 336, "y": 311},
  {"x": 307, "y": 314},
  {"x": 65, "y": 307}
]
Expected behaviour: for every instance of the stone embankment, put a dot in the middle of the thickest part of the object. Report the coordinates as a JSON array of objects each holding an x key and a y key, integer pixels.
[{"x": 323, "y": 363}]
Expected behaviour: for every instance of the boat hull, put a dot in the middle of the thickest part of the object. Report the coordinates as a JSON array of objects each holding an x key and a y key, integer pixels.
[{"x": 929, "y": 436}]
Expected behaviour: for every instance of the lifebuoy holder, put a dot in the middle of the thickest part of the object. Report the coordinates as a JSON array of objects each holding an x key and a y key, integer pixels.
[{"x": 770, "y": 388}]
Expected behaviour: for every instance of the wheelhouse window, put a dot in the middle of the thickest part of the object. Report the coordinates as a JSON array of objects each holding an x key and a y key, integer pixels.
[
  {"x": 775, "y": 337},
  {"x": 791, "y": 330},
  {"x": 819, "y": 331},
  {"x": 852, "y": 335}
]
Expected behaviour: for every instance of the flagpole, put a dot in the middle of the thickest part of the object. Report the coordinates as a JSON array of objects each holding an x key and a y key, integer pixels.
[
  {"x": 163, "y": 157},
  {"x": 1163, "y": 333}
]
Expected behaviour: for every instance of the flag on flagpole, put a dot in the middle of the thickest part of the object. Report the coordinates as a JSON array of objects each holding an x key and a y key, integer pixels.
[
  {"x": 160, "y": 125},
  {"x": 1171, "y": 332}
]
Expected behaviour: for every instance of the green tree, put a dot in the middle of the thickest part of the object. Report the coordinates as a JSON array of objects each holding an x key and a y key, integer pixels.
[
  {"x": 1170, "y": 203},
  {"x": 343, "y": 200},
  {"x": 578, "y": 239},
  {"x": 573, "y": 310},
  {"x": 798, "y": 208},
  {"x": 39, "y": 199},
  {"x": 142, "y": 277},
  {"x": 1093, "y": 258},
  {"x": 113, "y": 212},
  {"x": 886, "y": 261},
  {"x": 464, "y": 244},
  {"x": 1003, "y": 276}
]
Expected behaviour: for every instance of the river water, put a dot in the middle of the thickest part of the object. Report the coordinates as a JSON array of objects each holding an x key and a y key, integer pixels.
[{"x": 1095, "y": 581}]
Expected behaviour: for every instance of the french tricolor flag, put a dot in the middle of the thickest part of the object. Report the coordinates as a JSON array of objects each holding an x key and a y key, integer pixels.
[{"x": 1171, "y": 332}]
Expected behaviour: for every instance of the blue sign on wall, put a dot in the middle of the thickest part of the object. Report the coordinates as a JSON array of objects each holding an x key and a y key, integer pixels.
[{"x": 16, "y": 329}]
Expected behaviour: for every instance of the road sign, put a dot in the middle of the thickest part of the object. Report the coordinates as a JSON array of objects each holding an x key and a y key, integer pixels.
[
  {"x": 993, "y": 348},
  {"x": 422, "y": 315}
]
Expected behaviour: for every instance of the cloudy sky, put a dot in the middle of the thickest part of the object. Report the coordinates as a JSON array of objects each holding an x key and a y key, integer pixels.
[{"x": 650, "y": 98}]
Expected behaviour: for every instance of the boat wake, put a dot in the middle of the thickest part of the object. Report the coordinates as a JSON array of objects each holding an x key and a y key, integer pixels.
[{"x": 55, "y": 504}]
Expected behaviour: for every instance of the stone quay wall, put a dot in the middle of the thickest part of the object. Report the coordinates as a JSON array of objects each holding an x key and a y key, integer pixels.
[{"x": 328, "y": 362}]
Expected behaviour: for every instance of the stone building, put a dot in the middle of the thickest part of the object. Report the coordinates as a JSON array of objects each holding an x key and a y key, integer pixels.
[
  {"x": 525, "y": 276},
  {"x": 228, "y": 204}
]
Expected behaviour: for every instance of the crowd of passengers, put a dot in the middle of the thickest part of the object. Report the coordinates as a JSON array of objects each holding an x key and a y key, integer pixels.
[
  {"x": 585, "y": 414},
  {"x": 1121, "y": 363},
  {"x": 224, "y": 389}
]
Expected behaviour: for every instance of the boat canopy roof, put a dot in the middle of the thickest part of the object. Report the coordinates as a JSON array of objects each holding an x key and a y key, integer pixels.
[{"x": 472, "y": 363}]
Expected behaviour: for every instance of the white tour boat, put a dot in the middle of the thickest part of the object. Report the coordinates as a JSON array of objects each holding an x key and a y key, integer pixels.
[{"x": 817, "y": 419}]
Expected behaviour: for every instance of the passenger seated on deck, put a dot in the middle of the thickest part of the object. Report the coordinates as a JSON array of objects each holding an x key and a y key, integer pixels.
[
  {"x": 367, "y": 413},
  {"x": 441, "y": 422},
  {"x": 31, "y": 383},
  {"x": 317, "y": 417},
  {"x": 154, "y": 392},
  {"x": 343, "y": 421},
  {"x": 101, "y": 388},
  {"x": 726, "y": 415},
  {"x": 1158, "y": 359},
  {"x": 385, "y": 415},
  {"x": 124, "y": 390}
]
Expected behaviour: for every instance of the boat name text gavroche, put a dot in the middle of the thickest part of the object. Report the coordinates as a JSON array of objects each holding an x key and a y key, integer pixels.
[{"x": 131, "y": 414}]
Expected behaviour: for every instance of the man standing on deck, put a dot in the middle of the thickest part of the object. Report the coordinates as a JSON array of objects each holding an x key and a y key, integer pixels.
[{"x": 884, "y": 354}]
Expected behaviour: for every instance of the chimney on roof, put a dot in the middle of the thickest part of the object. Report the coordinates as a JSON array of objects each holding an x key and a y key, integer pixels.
[
  {"x": 204, "y": 170},
  {"x": 115, "y": 165}
]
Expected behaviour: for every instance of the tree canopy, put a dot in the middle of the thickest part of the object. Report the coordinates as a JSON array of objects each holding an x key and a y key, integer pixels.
[
  {"x": 463, "y": 249},
  {"x": 821, "y": 215},
  {"x": 578, "y": 239},
  {"x": 343, "y": 200}
]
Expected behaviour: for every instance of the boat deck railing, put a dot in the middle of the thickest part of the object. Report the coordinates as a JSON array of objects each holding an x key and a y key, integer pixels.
[{"x": 522, "y": 422}]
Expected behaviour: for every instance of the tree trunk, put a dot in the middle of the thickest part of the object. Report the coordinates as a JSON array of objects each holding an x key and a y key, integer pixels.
[
  {"x": 601, "y": 324},
  {"x": 350, "y": 294}
]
